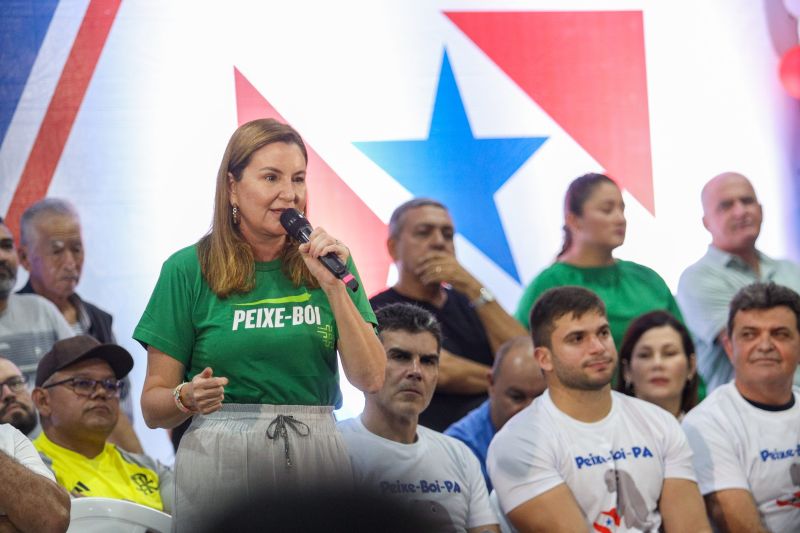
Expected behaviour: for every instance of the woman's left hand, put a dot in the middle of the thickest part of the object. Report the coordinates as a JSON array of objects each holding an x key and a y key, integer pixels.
[{"x": 320, "y": 243}]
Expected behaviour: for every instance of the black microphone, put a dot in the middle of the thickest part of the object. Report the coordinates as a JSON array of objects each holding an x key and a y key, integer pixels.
[{"x": 298, "y": 227}]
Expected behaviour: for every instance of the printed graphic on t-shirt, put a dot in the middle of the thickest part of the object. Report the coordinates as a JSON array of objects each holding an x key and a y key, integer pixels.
[
  {"x": 147, "y": 485},
  {"x": 436, "y": 513},
  {"x": 631, "y": 505},
  {"x": 79, "y": 489},
  {"x": 620, "y": 454},
  {"x": 792, "y": 500},
  {"x": 421, "y": 487},
  {"x": 266, "y": 313},
  {"x": 607, "y": 522},
  {"x": 277, "y": 313}
]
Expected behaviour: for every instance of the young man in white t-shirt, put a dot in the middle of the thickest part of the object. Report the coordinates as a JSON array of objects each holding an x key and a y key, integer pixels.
[
  {"x": 581, "y": 456},
  {"x": 746, "y": 434},
  {"x": 392, "y": 455}
]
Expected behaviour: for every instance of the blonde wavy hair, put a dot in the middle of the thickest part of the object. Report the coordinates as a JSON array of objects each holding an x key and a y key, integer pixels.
[{"x": 226, "y": 258}]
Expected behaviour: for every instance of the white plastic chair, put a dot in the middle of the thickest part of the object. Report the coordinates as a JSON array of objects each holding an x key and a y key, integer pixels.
[{"x": 106, "y": 515}]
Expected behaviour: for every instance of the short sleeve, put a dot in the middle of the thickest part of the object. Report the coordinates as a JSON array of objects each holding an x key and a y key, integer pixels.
[
  {"x": 25, "y": 454},
  {"x": 166, "y": 323},
  {"x": 521, "y": 468},
  {"x": 714, "y": 456},
  {"x": 360, "y": 296},
  {"x": 480, "y": 510},
  {"x": 672, "y": 304},
  {"x": 677, "y": 452},
  {"x": 704, "y": 298}
]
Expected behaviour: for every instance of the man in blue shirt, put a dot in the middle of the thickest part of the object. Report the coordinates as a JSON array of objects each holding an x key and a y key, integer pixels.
[{"x": 515, "y": 380}]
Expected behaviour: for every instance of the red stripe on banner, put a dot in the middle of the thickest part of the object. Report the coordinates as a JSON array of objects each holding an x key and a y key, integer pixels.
[
  {"x": 63, "y": 108},
  {"x": 331, "y": 203},
  {"x": 587, "y": 71}
]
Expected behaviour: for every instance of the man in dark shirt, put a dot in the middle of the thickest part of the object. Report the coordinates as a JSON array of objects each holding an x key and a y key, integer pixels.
[{"x": 473, "y": 322}]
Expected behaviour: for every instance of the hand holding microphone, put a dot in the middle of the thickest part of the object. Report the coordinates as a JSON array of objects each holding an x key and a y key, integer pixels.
[{"x": 298, "y": 227}]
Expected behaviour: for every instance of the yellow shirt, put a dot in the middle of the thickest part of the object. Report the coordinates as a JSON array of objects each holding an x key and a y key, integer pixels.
[{"x": 109, "y": 475}]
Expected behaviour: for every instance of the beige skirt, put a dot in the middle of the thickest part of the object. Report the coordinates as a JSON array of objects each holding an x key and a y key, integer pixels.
[{"x": 242, "y": 450}]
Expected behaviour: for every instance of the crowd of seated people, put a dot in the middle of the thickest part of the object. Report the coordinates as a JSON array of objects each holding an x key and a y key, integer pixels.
[{"x": 596, "y": 419}]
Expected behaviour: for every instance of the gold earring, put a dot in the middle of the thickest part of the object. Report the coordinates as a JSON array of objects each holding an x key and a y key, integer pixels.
[{"x": 235, "y": 215}]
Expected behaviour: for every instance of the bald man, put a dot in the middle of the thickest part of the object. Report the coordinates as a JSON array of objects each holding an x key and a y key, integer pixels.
[
  {"x": 514, "y": 382},
  {"x": 732, "y": 215}
]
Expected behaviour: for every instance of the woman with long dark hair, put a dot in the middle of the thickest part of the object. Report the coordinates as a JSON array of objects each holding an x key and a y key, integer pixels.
[
  {"x": 657, "y": 363},
  {"x": 594, "y": 226}
]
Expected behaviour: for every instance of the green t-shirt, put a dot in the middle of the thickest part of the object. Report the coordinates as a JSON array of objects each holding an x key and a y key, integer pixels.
[
  {"x": 628, "y": 289},
  {"x": 275, "y": 344}
]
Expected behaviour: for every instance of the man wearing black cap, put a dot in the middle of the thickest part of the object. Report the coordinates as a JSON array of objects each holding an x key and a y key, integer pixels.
[{"x": 78, "y": 384}]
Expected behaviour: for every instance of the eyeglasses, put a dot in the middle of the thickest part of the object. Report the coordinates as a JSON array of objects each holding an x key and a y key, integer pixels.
[
  {"x": 14, "y": 384},
  {"x": 87, "y": 386}
]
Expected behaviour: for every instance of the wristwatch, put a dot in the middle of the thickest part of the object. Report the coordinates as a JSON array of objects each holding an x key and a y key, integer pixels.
[{"x": 482, "y": 299}]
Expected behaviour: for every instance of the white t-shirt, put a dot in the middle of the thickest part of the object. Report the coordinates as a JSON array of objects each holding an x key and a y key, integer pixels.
[
  {"x": 615, "y": 467},
  {"x": 17, "y": 446},
  {"x": 739, "y": 446},
  {"x": 437, "y": 474}
]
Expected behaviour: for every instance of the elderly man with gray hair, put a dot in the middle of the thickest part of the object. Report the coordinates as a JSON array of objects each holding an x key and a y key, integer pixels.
[{"x": 51, "y": 250}]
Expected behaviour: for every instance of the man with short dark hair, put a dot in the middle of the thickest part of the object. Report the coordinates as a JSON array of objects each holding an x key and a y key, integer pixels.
[
  {"x": 421, "y": 235},
  {"x": 392, "y": 454},
  {"x": 746, "y": 434},
  {"x": 514, "y": 382},
  {"x": 16, "y": 405},
  {"x": 733, "y": 216},
  {"x": 78, "y": 384},
  {"x": 29, "y": 324},
  {"x": 582, "y": 456}
]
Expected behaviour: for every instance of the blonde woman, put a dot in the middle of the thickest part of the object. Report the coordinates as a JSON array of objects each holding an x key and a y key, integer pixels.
[{"x": 242, "y": 332}]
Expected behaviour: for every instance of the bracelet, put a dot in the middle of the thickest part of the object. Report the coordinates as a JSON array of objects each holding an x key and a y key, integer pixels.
[{"x": 176, "y": 395}]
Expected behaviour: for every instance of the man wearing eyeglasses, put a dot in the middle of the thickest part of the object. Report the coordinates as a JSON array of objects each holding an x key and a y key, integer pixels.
[
  {"x": 78, "y": 385},
  {"x": 16, "y": 405}
]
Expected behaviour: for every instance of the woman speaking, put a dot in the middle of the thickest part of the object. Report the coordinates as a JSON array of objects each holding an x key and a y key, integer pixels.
[{"x": 242, "y": 331}]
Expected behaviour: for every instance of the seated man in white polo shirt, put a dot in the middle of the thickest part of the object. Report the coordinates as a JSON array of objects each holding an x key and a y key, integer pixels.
[
  {"x": 581, "y": 456},
  {"x": 394, "y": 456},
  {"x": 746, "y": 434}
]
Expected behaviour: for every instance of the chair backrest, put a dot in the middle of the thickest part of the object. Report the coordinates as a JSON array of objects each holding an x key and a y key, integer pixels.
[{"x": 106, "y": 515}]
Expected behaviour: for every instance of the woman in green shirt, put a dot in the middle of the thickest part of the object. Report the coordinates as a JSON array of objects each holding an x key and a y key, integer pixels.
[
  {"x": 594, "y": 226},
  {"x": 242, "y": 333}
]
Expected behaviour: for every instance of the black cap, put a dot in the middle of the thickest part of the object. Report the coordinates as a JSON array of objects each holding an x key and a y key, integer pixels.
[{"x": 67, "y": 352}]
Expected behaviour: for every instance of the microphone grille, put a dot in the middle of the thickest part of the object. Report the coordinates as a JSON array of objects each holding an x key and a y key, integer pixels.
[{"x": 292, "y": 221}]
